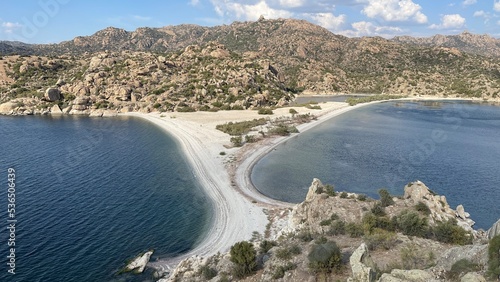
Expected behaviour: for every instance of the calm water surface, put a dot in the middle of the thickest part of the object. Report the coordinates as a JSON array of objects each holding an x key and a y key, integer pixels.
[
  {"x": 92, "y": 193},
  {"x": 452, "y": 146}
]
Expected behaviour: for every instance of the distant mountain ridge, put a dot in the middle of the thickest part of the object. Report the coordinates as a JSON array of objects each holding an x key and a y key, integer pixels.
[
  {"x": 171, "y": 38},
  {"x": 466, "y": 42}
]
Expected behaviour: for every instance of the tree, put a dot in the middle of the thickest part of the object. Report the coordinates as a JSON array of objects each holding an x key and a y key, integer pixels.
[
  {"x": 243, "y": 256},
  {"x": 385, "y": 198},
  {"x": 323, "y": 258}
]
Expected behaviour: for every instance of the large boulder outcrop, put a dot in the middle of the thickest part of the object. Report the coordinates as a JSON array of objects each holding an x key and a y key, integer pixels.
[
  {"x": 440, "y": 209},
  {"x": 475, "y": 253},
  {"x": 52, "y": 94},
  {"x": 494, "y": 230},
  {"x": 358, "y": 261},
  {"x": 7, "y": 108}
]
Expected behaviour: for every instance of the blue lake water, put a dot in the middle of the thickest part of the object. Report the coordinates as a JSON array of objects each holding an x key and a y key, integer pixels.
[
  {"x": 92, "y": 193},
  {"x": 452, "y": 146}
]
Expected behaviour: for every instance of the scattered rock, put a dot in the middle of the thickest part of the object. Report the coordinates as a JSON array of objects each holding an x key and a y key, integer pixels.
[
  {"x": 475, "y": 253},
  {"x": 52, "y": 94},
  {"x": 55, "y": 110},
  {"x": 360, "y": 271},
  {"x": 7, "y": 108},
  {"x": 473, "y": 277},
  {"x": 139, "y": 263},
  {"x": 414, "y": 275}
]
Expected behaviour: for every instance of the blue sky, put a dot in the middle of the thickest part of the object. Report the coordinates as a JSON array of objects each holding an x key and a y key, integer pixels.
[{"x": 53, "y": 21}]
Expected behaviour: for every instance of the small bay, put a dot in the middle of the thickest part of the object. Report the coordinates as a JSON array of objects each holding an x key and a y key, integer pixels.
[
  {"x": 452, "y": 146},
  {"x": 92, "y": 193}
]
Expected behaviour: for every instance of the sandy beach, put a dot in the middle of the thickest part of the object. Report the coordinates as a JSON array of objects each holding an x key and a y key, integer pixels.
[{"x": 238, "y": 206}]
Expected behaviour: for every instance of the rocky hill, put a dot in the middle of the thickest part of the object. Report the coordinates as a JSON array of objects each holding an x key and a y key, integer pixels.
[
  {"x": 339, "y": 236},
  {"x": 466, "y": 42},
  {"x": 175, "y": 67}
]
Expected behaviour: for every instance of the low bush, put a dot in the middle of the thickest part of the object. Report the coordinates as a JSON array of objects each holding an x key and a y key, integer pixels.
[
  {"x": 423, "y": 208},
  {"x": 265, "y": 111},
  {"x": 305, "y": 236},
  {"x": 410, "y": 223},
  {"x": 243, "y": 256},
  {"x": 354, "y": 230},
  {"x": 337, "y": 228},
  {"x": 362, "y": 197},
  {"x": 266, "y": 245},
  {"x": 325, "y": 222},
  {"x": 449, "y": 232},
  {"x": 343, "y": 195},
  {"x": 325, "y": 258},
  {"x": 385, "y": 198},
  {"x": 380, "y": 239},
  {"x": 461, "y": 268},
  {"x": 279, "y": 272},
  {"x": 208, "y": 272},
  {"x": 378, "y": 210},
  {"x": 494, "y": 257}
]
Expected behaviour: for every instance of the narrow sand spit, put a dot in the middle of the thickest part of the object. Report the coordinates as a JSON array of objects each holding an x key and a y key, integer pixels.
[{"x": 238, "y": 206}]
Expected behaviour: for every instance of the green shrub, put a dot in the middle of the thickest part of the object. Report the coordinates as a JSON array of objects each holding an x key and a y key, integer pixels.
[
  {"x": 243, "y": 256},
  {"x": 337, "y": 228},
  {"x": 325, "y": 258},
  {"x": 449, "y": 232},
  {"x": 240, "y": 128},
  {"x": 305, "y": 236},
  {"x": 461, "y": 268},
  {"x": 378, "y": 210},
  {"x": 362, "y": 197},
  {"x": 266, "y": 245},
  {"x": 380, "y": 238},
  {"x": 411, "y": 224},
  {"x": 208, "y": 272},
  {"x": 293, "y": 112},
  {"x": 385, "y": 198},
  {"x": 279, "y": 271},
  {"x": 343, "y": 195},
  {"x": 330, "y": 190},
  {"x": 494, "y": 257},
  {"x": 354, "y": 230},
  {"x": 325, "y": 222},
  {"x": 413, "y": 258},
  {"x": 286, "y": 253},
  {"x": 334, "y": 216},
  {"x": 237, "y": 141},
  {"x": 265, "y": 111},
  {"x": 423, "y": 208},
  {"x": 186, "y": 109}
]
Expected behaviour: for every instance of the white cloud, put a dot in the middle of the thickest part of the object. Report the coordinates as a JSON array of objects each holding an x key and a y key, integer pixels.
[
  {"x": 364, "y": 28},
  {"x": 449, "y": 22},
  {"x": 496, "y": 5},
  {"x": 249, "y": 12},
  {"x": 395, "y": 10},
  {"x": 291, "y": 3},
  {"x": 469, "y": 2},
  {"x": 194, "y": 2},
  {"x": 327, "y": 20},
  {"x": 141, "y": 18},
  {"x": 10, "y": 27},
  {"x": 479, "y": 13}
]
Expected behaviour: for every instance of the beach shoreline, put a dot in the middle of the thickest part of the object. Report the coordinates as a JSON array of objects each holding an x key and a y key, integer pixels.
[{"x": 239, "y": 208}]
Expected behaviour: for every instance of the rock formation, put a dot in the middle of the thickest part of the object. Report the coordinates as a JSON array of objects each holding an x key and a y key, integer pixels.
[
  {"x": 139, "y": 263},
  {"x": 358, "y": 261},
  {"x": 416, "y": 192},
  {"x": 52, "y": 94},
  {"x": 494, "y": 230}
]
